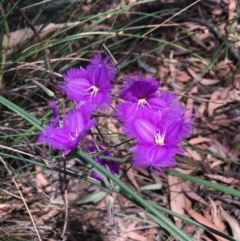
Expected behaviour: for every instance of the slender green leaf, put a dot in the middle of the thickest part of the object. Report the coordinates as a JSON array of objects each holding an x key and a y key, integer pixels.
[
  {"x": 92, "y": 197},
  {"x": 155, "y": 186},
  {"x": 216, "y": 186},
  {"x": 134, "y": 197},
  {"x": 21, "y": 112}
]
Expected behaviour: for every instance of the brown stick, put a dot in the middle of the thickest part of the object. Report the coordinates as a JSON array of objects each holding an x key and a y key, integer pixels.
[{"x": 39, "y": 39}]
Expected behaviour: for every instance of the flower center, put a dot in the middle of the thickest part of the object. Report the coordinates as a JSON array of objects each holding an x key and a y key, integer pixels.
[
  {"x": 93, "y": 90},
  {"x": 159, "y": 139},
  {"x": 142, "y": 102},
  {"x": 72, "y": 135}
]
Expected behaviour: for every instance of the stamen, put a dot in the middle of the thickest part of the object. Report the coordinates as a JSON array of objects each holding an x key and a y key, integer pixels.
[
  {"x": 142, "y": 102},
  {"x": 93, "y": 90},
  {"x": 159, "y": 139},
  {"x": 72, "y": 135}
]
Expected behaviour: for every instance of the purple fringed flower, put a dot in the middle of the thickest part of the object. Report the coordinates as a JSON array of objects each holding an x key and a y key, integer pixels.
[
  {"x": 143, "y": 98},
  {"x": 91, "y": 85},
  {"x": 112, "y": 166},
  {"x": 102, "y": 71},
  {"x": 76, "y": 123},
  {"x": 157, "y": 121},
  {"x": 170, "y": 126},
  {"x": 140, "y": 95},
  {"x": 158, "y": 137},
  {"x": 138, "y": 89}
]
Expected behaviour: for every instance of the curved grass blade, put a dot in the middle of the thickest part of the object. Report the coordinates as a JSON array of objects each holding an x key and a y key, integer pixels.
[
  {"x": 134, "y": 197},
  {"x": 15, "y": 108},
  {"x": 216, "y": 186}
]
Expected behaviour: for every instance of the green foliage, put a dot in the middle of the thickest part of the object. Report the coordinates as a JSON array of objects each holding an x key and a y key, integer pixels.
[{"x": 73, "y": 37}]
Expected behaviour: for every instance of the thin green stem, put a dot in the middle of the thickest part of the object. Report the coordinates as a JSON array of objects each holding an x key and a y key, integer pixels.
[{"x": 134, "y": 197}]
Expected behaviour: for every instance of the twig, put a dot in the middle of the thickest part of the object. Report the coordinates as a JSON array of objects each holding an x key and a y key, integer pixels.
[
  {"x": 4, "y": 54},
  {"x": 197, "y": 98},
  {"x": 66, "y": 213},
  {"x": 21, "y": 195},
  {"x": 39, "y": 39},
  {"x": 233, "y": 53},
  {"x": 63, "y": 188},
  {"x": 147, "y": 34}
]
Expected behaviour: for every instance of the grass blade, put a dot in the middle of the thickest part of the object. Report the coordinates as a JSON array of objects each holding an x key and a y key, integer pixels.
[{"x": 15, "y": 108}]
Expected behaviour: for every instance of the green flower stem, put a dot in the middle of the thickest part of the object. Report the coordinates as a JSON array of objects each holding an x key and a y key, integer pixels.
[{"x": 134, "y": 197}]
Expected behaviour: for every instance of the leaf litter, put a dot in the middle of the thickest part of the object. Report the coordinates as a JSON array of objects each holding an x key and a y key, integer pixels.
[{"x": 212, "y": 89}]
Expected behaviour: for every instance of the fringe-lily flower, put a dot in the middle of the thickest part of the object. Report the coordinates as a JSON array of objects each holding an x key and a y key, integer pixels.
[
  {"x": 158, "y": 140},
  {"x": 91, "y": 85},
  {"x": 140, "y": 95},
  {"x": 156, "y": 119},
  {"x": 67, "y": 136}
]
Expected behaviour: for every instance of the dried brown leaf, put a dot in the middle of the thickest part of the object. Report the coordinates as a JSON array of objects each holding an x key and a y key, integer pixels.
[
  {"x": 214, "y": 162},
  {"x": 20, "y": 35},
  {"x": 48, "y": 215},
  {"x": 231, "y": 9},
  {"x": 233, "y": 223},
  {"x": 144, "y": 171},
  {"x": 201, "y": 80},
  {"x": 182, "y": 77},
  {"x": 201, "y": 219},
  {"x": 199, "y": 140},
  {"x": 205, "y": 81},
  {"x": 194, "y": 75},
  {"x": 215, "y": 216},
  {"x": 131, "y": 176},
  {"x": 193, "y": 195},
  {"x": 136, "y": 236},
  {"x": 131, "y": 233},
  {"x": 178, "y": 200},
  {"x": 193, "y": 154},
  {"x": 227, "y": 180},
  {"x": 40, "y": 179}
]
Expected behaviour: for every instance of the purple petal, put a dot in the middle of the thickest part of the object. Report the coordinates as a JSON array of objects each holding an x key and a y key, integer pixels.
[
  {"x": 102, "y": 71},
  {"x": 101, "y": 100},
  {"x": 59, "y": 138},
  {"x": 144, "y": 131},
  {"x": 188, "y": 124},
  {"x": 127, "y": 111},
  {"x": 173, "y": 132},
  {"x": 112, "y": 166},
  {"x": 155, "y": 156},
  {"x": 74, "y": 121},
  {"x": 75, "y": 126},
  {"x": 76, "y": 84},
  {"x": 178, "y": 128},
  {"x": 55, "y": 120},
  {"x": 130, "y": 111},
  {"x": 78, "y": 120},
  {"x": 138, "y": 88},
  {"x": 157, "y": 103}
]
